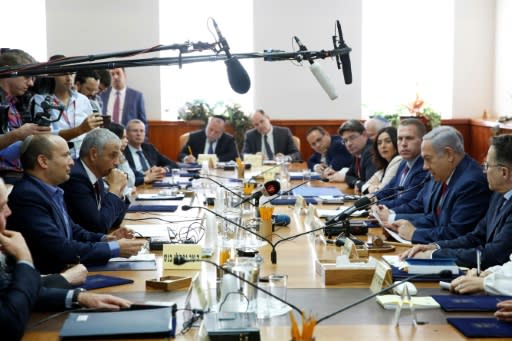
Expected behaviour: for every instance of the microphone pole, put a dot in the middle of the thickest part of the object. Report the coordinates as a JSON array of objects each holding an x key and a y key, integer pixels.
[
  {"x": 197, "y": 176},
  {"x": 443, "y": 274},
  {"x": 180, "y": 260}
]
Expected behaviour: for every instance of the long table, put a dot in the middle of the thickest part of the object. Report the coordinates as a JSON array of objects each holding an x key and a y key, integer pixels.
[{"x": 306, "y": 289}]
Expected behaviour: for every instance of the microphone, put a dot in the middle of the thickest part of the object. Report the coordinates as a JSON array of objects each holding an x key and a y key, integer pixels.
[
  {"x": 359, "y": 204},
  {"x": 197, "y": 176},
  {"x": 319, "y": 74},
  {"x": 294, "y": 187},
  {"x": 180, "y": 260},
  {"x": 442, "y": 274},
  {"x": 237, "y": 76},
  {"x": 342, "y": 61},
  {"x": 270, "y": 188}
]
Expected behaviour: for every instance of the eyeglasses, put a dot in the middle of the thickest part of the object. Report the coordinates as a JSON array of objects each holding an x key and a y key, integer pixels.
[
  {"x": 486, "y": 166},
  {"x": 351, "y": 138},
  {"x": 30, "y": 78}
]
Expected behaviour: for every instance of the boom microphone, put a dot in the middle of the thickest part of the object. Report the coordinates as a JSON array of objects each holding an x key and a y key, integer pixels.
[
  {"x": 319, "y": 74},
  {"x": 237, "y": 76}
]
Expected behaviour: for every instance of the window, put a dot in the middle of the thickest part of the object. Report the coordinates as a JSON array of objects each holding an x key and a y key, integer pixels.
[{"x": 203, "y": 80}]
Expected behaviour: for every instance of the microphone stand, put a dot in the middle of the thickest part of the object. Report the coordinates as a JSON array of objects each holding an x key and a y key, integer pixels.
[
  {"x": 180, "y": 260},
  {"x": 218, "y": 183}
]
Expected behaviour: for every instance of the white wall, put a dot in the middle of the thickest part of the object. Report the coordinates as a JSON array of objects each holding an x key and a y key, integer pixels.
[
  {"x": 99, "y": 26},
  {"x": 473, "y": 69},
  {"x": 503, "y": 70},
  {"x": 288, "y": 91}
]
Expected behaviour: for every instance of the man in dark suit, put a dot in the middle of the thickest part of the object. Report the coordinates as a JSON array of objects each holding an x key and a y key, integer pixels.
[
  {"x": 360, "y": 146},
  {"x": 87, "y": 201},
  {"x": 40, "y": 214},
  {"x": 493, "y": 232},
  {"x": 410, "y": 172},
  {"x": 146, "y": 161},
  {"x": 21, "y": 288},
  {"x": 456, "y": 197},
  {"x": 329, "y": 151},
  {"x": 121, "y": 102},
  {"x": 211, "y": 140},
  {"x": 269, "y": 140}
]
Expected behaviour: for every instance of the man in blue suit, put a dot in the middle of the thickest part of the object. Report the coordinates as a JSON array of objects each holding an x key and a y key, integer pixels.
[
  {"x": 456, "y": 197},
  {"x": 21, "y": 288},
  {"x": 40, "y": 214},
  {"x": 493, "y": 232},
  {"x": 330, "y": 152},
  {"x": 211, "y": 140},
  {"x": 407, "y": 182},
  {"x": 88, "y": 202},
  {"x": 121, "y": 102}
]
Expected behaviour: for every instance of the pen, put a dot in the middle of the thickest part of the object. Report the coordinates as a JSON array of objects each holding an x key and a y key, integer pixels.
[
  {"x": 189, "y": 150},
  {"x": 478, "y": 256}
]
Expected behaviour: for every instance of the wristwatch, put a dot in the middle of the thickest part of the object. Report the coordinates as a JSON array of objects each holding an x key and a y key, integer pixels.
[{"x": 74, "y": 299}]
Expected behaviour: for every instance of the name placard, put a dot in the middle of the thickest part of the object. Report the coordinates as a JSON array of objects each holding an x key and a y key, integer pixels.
[
  {"x": 381, "y": 278},
  {"x": 188, "y": 251},
  {"x": 256, "y": 160}
]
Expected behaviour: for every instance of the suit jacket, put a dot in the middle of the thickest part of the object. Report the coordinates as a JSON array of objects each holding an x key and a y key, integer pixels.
[
  {"x": 133, "y": 105},
  {"x": 82, "y": 205},
  {"x": 43, "y": 226},
  {"x": 283, "y": 142},
  {"x": 154, "y": 157},
  {"x": 411, "y": 185},
  {"x": 367, "y": 168},
  {"x": 465, "y": 203},
  {"x": 225, "y": 149},
  {"x": 493, "y": 234},
  {"x": 337, "y": 156}
]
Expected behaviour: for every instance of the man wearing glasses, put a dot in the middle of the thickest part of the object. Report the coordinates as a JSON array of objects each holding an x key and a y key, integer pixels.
[
  {"x": 14, "y": 130},
  {"x": 360, "y": 146},
  {"x": 493, "y": 232},
  {"x": 330, "y": 152}
]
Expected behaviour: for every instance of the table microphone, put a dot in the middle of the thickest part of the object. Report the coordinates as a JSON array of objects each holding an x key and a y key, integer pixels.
[
  {"x": 294, "y": 187},
  {"x": 442, "y": 274},
  {"x": 180, "y": 260},
  {"x": 269, "y": 188}
]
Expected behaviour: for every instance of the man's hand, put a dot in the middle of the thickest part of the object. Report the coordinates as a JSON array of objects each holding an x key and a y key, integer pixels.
[
  {"x": 418, "y": 251},
  {"x": 117, "y": 181},
  {"x": 189, "y": 159},
  {"x": 92, "y": 121},
  {"x": 467, "y": 284},
  {"x": 153, "y": 174},
  {"x": 404, "y": 228},
  {"x": 75, "y": 275},
  {"x": 383, "y": 214},
  {"x": 14, "y": 244},
  {"x": 130, "y": 247},
  {"x": 30, "y": 129},
  {"x": 504, "y": 311},
  {"x": 120, "y": 233},
  {"x": 101, "y": 301},
  {"x": 320, "y": 168},
  {"x": 333, "y": 176}
]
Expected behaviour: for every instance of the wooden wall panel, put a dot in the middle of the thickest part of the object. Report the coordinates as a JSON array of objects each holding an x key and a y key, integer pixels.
[{"x": 165, "y": 134}]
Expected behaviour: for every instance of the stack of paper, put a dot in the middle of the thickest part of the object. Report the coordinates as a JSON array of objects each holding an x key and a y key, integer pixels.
[{"x": 431, "y": 266}]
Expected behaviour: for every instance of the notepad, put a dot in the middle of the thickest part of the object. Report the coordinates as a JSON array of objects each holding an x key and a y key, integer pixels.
[
  {"x": 103, "y": 281},
  {"x": 156, "y": 196},
  {"x": 150, "y": 323},
  {"x": 481, "y": 326},
  {"x": 469, "y": 302},
  {"x": 309, "y": 191},
  {"x": 391, "y": 302},
  {"x": 152, "y": 208}
]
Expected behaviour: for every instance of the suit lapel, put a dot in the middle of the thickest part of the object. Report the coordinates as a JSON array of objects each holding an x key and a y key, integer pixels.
[{"x": 498, "y": 215}]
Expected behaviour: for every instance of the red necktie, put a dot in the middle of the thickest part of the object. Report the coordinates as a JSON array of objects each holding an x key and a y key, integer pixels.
[
  {"x": 357, "y": 166},
  {"x": 441, "y": 199},
  {"x": 117, "y": 108},
  {"x": 98, "y": 193}
]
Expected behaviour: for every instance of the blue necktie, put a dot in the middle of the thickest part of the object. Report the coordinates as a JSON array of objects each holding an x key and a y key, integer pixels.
[
  {"x": 143, "y": 162},
  {"x": 210, "y": 148},
  {"x": 270, "y": 154}
]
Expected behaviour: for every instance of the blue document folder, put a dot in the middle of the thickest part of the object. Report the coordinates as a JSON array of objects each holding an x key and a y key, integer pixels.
[
  {"x": 399, "y": 275},
  {"x": 301, "y": 177},
  {"x": 469, "y": 302},
  {"x": 290, "y": 201},
  {"x": 103, "y": 281},
  {"x": 124, "y": 266},
  {"x": 132, "y": 323},
  {"x": 309, "y": 191},
  {"x": 152, "y": 208},
  {"x": 481, "y": 327}
]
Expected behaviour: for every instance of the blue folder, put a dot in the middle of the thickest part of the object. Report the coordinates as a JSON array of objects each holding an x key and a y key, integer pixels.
[
  {"x": 481, "y": 326},
  {"x": 103, "y": 281},
  {"x": 152, "y": 208},
  {"x": 290, "y": 201},
  {"x": 399, "y": 275},
  {"x": 160, "y": 184},
  {"x": 309, "y": 191},
  {"x": 301, "y": 177},
  {"x": 124, "y": 266},
  {"x": 469, "y": 302}
]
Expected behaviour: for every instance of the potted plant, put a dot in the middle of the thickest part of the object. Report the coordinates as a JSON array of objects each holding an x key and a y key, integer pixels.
[
  {"x": 239, "y": 121},
  {"x": 195, "y": 111}
]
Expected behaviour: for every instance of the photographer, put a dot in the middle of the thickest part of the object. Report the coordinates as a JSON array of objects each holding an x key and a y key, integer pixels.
[
  {"x": 12, "y": 128},
  {"x": 77, "y": 114}
]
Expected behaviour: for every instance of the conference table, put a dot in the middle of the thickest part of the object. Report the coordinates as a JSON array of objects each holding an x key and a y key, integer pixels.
[{"x": 307, "y": 290}]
